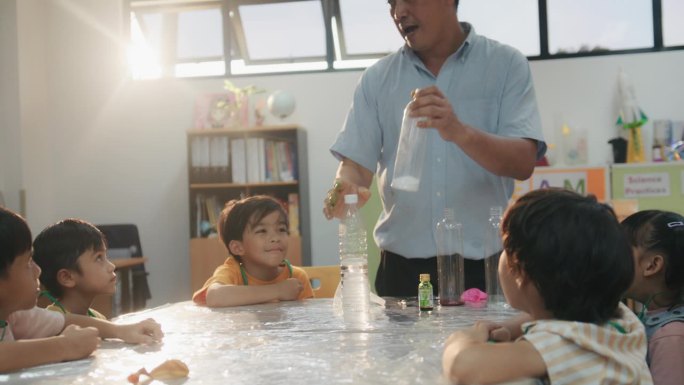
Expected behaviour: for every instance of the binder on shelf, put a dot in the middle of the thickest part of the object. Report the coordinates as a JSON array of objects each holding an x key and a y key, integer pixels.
[
  {"x": 219, "y": 159},
  {"x": 238, "y": 167}
]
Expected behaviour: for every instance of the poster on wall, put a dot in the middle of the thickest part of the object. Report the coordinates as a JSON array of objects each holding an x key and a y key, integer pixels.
[
  {"x": 583, "y": 180},
  {"x": 646, "y": 185},
  {"x": 657, "y": 186}
]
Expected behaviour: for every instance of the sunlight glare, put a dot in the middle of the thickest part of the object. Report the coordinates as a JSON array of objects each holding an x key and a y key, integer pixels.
[{"x": 142, "y": 60}]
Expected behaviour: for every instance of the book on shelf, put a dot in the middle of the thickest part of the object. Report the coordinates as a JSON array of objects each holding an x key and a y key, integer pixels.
[
  {"x": 208, "y": 209},
  {"x": 238, "y": 155}
]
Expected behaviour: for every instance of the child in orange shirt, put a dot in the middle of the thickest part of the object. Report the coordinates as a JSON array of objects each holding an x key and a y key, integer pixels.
[
  {"x": 32, "y": 336},
  {"x": 256, "y": 235},
  {"x": 73, "y": 257}
]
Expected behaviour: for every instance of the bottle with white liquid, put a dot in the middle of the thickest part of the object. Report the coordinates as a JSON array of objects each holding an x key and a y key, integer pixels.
[{"x": 410, "y": 157}]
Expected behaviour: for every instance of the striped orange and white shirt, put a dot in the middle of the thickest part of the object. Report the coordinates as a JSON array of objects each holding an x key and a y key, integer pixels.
[{"x": 583, "y": 353}]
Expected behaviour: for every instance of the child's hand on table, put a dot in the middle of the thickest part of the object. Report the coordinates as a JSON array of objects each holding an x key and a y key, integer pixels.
[
  {"x": 289, "y": 289},
  {"x": 143, "y": 332},
  {"x": 79, "y": 342}
]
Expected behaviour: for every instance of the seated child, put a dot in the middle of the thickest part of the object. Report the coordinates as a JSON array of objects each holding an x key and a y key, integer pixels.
[
  {"x": 255, "y": 232},
  {"x": 657, "y": 238},
  {"x": 566, "y": 263},
  {"x": 72, "y": 256},
  {"x": 32, "y": 336}
]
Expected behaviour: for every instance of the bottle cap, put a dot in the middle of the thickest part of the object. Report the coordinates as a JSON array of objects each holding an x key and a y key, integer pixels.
[
  {"x": 425, "y": 278},
  {"x": 351, "y": 198}
]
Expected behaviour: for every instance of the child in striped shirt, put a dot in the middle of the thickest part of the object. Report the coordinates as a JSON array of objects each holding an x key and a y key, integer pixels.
[
  {"x": 566, "y": 264},
  {"x": 657, "y": 238}
]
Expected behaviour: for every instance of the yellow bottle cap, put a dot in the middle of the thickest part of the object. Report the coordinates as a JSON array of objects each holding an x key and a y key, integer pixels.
[{"x": 425, "y": 278}]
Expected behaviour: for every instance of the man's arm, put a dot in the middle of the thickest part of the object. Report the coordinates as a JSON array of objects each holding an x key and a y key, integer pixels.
[
  {"x": 351, "y": 178},
  {"x": 503, "y": 156}
]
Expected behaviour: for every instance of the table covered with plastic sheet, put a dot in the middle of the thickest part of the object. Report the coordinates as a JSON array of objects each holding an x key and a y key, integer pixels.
[{"x": 277, "y": 343}]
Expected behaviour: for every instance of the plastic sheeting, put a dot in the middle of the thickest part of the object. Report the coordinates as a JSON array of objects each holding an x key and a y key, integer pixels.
[{"x": 278, "y": 343}]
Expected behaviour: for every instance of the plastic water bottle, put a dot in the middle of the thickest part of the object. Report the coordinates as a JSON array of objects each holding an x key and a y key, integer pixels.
[
  {"x": 450, "y": 278},
  {"x": 408, "y": 163},
  {"x": 354, "y": 266},
  {"x": 492, "y": 253}
]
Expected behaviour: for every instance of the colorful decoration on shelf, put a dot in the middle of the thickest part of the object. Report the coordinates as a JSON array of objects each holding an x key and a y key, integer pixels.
[
  {"x": 631, "y": 118},
  {"x": 242, "y": 99}
]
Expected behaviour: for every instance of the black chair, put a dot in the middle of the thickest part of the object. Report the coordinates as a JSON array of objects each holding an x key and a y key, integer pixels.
[{"x": 126, "y": 237}]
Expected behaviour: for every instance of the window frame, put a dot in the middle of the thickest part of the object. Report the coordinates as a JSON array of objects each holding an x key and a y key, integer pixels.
[{"x": 234, "y": 39}]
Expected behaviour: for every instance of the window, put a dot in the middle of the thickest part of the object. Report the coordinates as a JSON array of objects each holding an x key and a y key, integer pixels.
[
  {"x": 673, "y": 27},
  {"x": 267, "y": 36},
  {"x": 186, "y": 38},
  {"x": 513, "y": 22},
  {"x": 171, "y": 39},
  {"x": 359, "y": 19},
  {"x": 594, "y": 26}
]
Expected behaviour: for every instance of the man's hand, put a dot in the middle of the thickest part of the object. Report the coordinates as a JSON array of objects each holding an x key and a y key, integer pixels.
[
  {"x": 431, "y": 104},
  {"x": 333, "y": 205}
]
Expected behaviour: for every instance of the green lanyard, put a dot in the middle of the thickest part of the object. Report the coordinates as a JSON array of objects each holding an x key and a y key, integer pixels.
[
  {"x": 55, "y": 302},
  {"x": 244, "y": 273}
]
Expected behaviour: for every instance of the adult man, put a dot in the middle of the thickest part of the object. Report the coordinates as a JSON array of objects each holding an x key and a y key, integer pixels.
[{"x": 478, "y": 99}]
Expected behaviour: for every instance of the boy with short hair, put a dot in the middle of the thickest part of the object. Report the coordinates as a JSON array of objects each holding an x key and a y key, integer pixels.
[
  {"x": 72, "y": 255},
  {"x": 566, "y": 263},
  {"x": 256, "y": 235}
]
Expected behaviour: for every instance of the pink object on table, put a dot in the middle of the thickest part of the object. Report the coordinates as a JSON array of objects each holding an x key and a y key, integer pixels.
[{"x": 473, "y": 295}]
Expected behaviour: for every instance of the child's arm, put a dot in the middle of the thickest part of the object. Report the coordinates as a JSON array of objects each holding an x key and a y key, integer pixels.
[
  {"x": 143, "y": 332},
  {"x": 509, "y": 330},
  {"x": 469, "y": 359},
  {"x": 74, "y": 343},
  {"x": 219, "y": 295}
]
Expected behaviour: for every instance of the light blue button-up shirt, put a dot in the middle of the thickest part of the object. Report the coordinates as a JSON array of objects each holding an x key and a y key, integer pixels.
[{"x": 490, "y": 87}]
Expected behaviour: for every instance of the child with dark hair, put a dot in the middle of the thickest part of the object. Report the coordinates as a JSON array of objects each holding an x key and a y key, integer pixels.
[
  {"x": 256, "y": 235},
  {"x": 73, "y": 257},
  {"x": 657, "y": 239},
  {"x": 33, "y": 336},
  {"x": 566, "y": 263}
]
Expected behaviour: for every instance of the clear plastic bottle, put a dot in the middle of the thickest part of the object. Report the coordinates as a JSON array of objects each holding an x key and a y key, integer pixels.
[
  {"x": 354, "y": 266},
  {"x": 450, "y": 278},
  {"x": 492, "y": 253},
  {"x": 425, "y": 296},
  {"x": 408, "y": 163}
]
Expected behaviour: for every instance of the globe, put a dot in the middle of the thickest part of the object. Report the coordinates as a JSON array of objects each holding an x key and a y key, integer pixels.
[{"x": 281, "y": 104}]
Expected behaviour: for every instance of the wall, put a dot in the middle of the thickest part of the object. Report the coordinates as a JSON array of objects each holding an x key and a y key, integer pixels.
[
  {"x": 10, "y": 133},
  {"x": 99, "y": 146}
]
